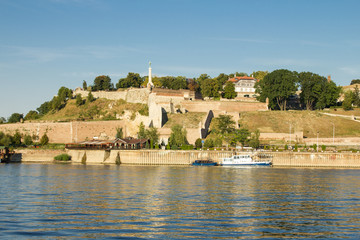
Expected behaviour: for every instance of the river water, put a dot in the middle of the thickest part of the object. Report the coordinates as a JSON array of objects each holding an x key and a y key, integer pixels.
[{"x": 66, "y": 201}]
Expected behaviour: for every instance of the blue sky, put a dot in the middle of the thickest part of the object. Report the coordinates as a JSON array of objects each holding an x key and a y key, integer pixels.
[{"x": 46, "y": 44}]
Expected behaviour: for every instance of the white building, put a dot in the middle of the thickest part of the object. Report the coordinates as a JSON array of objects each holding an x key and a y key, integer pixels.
[{"x": 244, "y": 86}]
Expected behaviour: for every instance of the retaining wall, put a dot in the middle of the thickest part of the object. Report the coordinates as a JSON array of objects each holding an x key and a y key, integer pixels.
[{"x": 168, "y": 157}]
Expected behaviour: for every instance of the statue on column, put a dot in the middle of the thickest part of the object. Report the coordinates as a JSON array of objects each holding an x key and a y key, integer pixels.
[{"x": 150, "y": 83}]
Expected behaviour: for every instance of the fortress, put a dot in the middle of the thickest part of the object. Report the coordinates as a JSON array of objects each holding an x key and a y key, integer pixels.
[{"x": 160, "y": 101}]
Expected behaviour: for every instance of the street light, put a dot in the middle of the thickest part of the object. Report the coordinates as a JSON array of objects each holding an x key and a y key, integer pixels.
[
  {"x": 317, "y": 141},
  {"x": 333, "y": 133}
]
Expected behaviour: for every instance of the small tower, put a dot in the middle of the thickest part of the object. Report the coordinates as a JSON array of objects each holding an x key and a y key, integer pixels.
[
  {"x": 329, "y": 78},
  {"x": 150, "y": 83}
]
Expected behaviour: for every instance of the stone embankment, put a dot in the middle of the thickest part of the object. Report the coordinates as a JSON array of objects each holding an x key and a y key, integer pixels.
[{"x": 168, "y": 157}]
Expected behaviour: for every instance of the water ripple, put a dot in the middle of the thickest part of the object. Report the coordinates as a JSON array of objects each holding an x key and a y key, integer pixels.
[{"x": 162, "y": 202}]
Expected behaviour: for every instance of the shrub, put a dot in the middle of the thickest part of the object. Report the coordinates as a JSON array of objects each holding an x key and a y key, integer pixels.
[
  {"x": 63, "y": 157},
  {"x": 198, "y": 143},
  {"x": 44, "y": 140},
  {"x": 314, "y": 146},
  {"x": 187, "y": 147},
  {"x": 117, "y": 160},
  {"x": 83, "y": 160},
  {"x": 323, "y": 148}
]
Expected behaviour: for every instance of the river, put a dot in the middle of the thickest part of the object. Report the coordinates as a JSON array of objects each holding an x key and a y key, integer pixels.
[{"x": 67, "y": 201}]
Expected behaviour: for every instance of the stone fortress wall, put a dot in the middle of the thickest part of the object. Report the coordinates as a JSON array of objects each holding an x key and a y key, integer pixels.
[{"x": 160, "y": 102}]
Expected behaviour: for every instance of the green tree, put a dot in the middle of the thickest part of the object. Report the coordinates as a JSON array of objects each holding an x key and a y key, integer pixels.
[
  {"x": 141, "y": 133},
  {"x": 210, "y": 88},
  {"x": 64, "y": 94},
  {"x": 254, "y": 141},
  {"x": 277, "y": 86},
  {"x": 32, "y": 115},
  {"x": 131, "y": 80},
  {"x": 28, "y": 140},
  {"x": 224, "y": 124},
  {"x": 44, "y": 140},
  {"x": 330, "y": 95},
  {"x": 153, "y": 135},
  {"x": 44, "y": 108},
  {"x": 175, "y": 83},
  {"x": 198, "y": 143},
  {"x": 17, "y": 138},
  {"x": 355, "y": 81},
  {"x": 119, "y": 133},
  {"x": 84, "y": 85},
  {"x": 357, "y": 97},
  {"x": 222, "y": 79},
  {"x": 56, "y": 103},
  {"x": 259, "y": 75},
  {"x": 79, "y": 100},
  {"x": 2, "y": 120},
  {"x": 229, "y": 90},
  {"x": 218, "y": 142},
  {"x": 102, "y": 83},
  {"x": 241, "y": 135},
  {"x": 209, "y": 143},
  {"x": 348, "y": 100},
  {"x": 90, "y": 98},
  {"x": 177, "y": 136},
  {"x": 312, "y": 86},
  {"x": 6, "y": 140},
  {"x": 15, "y": 117}
]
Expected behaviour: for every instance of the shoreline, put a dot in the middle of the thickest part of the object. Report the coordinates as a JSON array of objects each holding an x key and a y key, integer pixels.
[{"x": 186, "y": 157}]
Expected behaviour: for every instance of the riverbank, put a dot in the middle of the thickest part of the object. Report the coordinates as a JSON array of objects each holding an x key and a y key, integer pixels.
[{"x": 169, "y": 157}]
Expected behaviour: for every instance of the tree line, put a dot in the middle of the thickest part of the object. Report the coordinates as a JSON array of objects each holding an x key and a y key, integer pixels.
[{"x": 278, "y": 87}]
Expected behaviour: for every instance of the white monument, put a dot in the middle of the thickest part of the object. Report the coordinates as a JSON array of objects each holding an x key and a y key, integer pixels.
[{"x": 150, "y": 83}]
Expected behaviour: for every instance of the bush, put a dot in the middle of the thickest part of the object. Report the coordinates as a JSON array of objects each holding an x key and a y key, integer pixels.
[
  {"x": 62, "y": 157},
  {"x": 44, "y": 140},
  {"x": 198, "y": 143},
  {"x": 187, "y": 147},
  {"x": 323, "y": 148}
]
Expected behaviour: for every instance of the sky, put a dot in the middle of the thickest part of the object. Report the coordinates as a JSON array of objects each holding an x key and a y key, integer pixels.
[{"x": 47, "y": 44}]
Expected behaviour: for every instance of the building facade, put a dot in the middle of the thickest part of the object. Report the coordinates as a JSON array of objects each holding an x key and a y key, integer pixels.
[{"x": 244, "y": 86}]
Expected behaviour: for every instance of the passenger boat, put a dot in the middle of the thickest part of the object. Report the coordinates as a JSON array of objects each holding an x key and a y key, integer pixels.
[
  {"x": 243, "y": 160},
  {"x": 204, "y": 163}
]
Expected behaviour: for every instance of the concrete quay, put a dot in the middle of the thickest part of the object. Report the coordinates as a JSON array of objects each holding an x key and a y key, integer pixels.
[{"x": 170, "y": 157}]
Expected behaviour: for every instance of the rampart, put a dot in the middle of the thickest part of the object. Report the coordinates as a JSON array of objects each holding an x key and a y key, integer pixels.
[
  {"x": 131, "y": 95},
  {"x": 223, "y": 106},
  {"x": 67, "y": 132}
]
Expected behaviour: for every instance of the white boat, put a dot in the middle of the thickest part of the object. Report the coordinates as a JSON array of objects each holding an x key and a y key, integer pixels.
[{"x": 243, "y": 160}]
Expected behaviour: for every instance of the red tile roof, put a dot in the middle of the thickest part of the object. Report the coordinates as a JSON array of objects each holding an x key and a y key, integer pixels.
[{"x": 236, "y": 79}]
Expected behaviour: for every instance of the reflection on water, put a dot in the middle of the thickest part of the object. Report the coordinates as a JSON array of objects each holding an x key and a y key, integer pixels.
[{"x": 96, "y": 201}]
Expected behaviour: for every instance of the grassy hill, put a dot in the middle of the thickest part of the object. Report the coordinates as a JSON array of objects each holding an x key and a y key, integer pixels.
[
  {"x": 310, "y": 122},
  {"x": 101, "y": 109}
]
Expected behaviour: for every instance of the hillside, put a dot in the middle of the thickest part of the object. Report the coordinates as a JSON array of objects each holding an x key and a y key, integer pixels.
[
  {"x": 310, "y": 122},
  {"x": 101, "y": 109}
]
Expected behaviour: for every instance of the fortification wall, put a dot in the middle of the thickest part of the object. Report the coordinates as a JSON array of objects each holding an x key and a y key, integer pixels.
[
  {"x": 73, "y": 131},
  {"x": 223, "y": 106},
  {"x": 295, "y": 136},
  {"x": 36, "y": 155},
  {"x": 131, "y": 95},
  {"x": 329, "y": 141},
  {"x": 295, "y": 159}
]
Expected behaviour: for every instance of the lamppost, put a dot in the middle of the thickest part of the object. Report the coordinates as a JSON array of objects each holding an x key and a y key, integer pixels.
[
  {"x": 317, "y": 141},
  {"x": 333, "y": 133}
]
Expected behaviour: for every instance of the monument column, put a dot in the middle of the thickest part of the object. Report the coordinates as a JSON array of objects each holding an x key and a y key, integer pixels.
[{"x": 150, "y": 83}]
